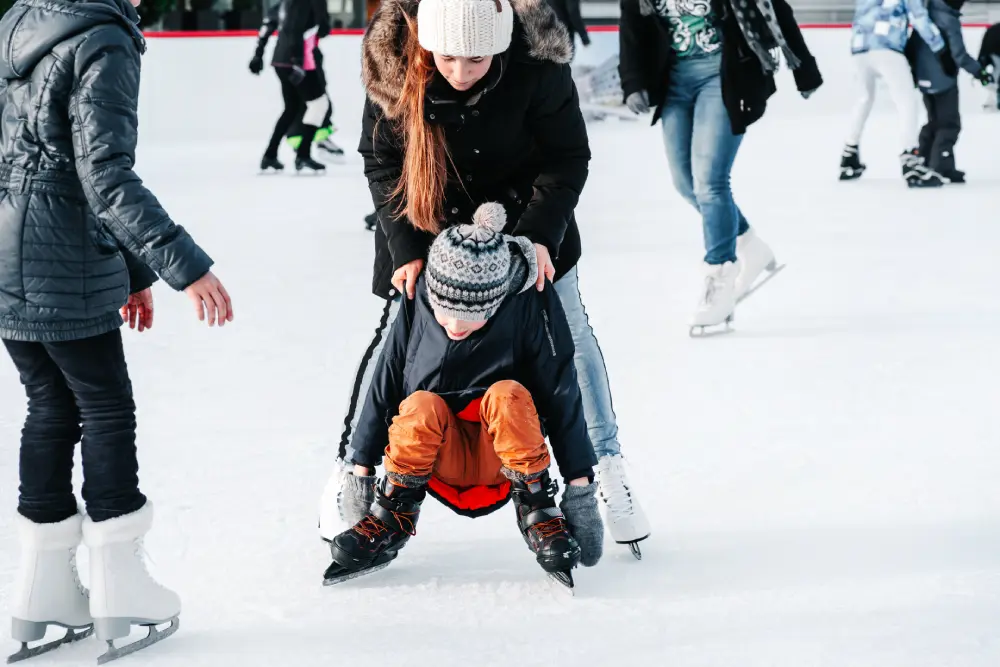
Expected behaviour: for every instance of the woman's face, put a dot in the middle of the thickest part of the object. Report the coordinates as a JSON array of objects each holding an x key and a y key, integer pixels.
[{"x": 462, "y": 73}]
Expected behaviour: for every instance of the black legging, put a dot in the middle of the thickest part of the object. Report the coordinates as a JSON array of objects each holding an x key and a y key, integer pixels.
[{"x": 295, "y": 98}]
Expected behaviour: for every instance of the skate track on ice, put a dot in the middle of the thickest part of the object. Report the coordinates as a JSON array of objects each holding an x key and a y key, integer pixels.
[{"x": 822, "y": 483}]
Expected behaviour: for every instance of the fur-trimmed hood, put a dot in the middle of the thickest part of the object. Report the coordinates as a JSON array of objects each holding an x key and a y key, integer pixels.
[{"x": 538, "y": 35}]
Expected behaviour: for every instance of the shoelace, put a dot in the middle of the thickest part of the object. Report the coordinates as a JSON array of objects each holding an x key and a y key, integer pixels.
[
  {"x": 549, "y": 528},
  {"x": 371, "y": 526},
  {"x": 614, "y": 492},
  {"x": 711, "y": 286},
  {"x": 142, "y": 555},
  {"x": 76, "y": 573}
]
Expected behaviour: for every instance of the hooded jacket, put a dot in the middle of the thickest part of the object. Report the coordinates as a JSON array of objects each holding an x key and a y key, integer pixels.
[
  {"x": 527, "y": 340},
  {"x": 78, "y": 230},
  {"x": 928, "y": 70},
  {"x": 520, "y": 139}
]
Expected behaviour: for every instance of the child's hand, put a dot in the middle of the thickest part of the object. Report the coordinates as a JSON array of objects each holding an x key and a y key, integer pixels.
[
  {"x": 139, "y": 310},
  {"x": 208, "y": 293},
  {"x": 546, "y": 269},
  {"x": 405, "y": 278}
]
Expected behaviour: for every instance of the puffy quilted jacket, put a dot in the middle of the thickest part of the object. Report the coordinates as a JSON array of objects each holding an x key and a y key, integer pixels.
[
  {"x": 885, "y": 24},
  {"x": 78, "y": 230}
]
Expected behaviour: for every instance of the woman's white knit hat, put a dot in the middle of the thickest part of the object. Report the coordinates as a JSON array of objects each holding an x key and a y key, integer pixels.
[{"x": 465, "y": 28}]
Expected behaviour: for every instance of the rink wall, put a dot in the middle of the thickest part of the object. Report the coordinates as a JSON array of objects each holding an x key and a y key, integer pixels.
[{"x": 199, "y": 88}]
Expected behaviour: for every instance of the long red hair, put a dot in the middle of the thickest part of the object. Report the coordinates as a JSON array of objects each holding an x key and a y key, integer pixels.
[{"x": 420, "y": 189}]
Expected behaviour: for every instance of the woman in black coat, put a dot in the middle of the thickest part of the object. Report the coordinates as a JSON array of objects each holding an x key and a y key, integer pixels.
[
  {"x": 446, "y": 130},
  {"x": 707, "y": 68}
]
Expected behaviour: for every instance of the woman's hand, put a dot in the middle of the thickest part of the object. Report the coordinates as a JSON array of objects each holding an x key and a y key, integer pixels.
[
  {"x": 546, "y": 269},
  {"x": 405, "y": 278},
  {"x": 208, "y": 293},
  {"x": 139, "y": 310}
]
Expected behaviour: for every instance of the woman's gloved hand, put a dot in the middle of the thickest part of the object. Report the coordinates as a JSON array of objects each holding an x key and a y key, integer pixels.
[{"x": 579, "y": 506}]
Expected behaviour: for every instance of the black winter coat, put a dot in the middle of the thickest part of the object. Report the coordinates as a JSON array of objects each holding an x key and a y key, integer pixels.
[
  {"x": 527, "y": 340},
  {"x": 646, "y": 59},
  {"x": 78, "y": 230},
  {"x": 293, "y": 19},
  {"x": 520, "y": 141},
  {"x": 568, "y": 12},
  {"x": 990, "y": 46},
  {"x": 928, "y": 71}
]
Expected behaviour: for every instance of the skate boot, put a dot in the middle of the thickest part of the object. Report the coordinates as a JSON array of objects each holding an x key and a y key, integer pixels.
[
  {"x": 953, "y": 177},
  {"x": 375, "y": 541},
  {"x": 329, "y": 150},
  {"x": 850, "y": 164},
  {"x": 270, "y": 165},
  {"x": 718, "y": 298},
  {"x": 48, "y": 589},
  {"x": 371, "y": 220},
  {"x": 309, "y": 166},
  {"x": 544, "y": 529},
  {"x": 916, "y": 173},
  {"x": 623, "y": 513},
  {"x": 755, "y": 258},
  {"x": 122, "y": 592}
]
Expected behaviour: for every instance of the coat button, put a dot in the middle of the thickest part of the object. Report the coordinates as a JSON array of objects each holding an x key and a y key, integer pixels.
[
  {"x": 392, "y": 292},
  {"x": 432, "y": 116},
  {"x": 476, "y": 151},
  {"x": 468, "y": 177},
  {"x": 454, "y": 210},
  {"x": 475, "y": 113}
]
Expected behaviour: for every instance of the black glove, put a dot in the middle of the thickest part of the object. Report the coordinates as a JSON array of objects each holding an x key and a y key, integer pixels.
[
  {"x": 297, "y": 75},
  {"x": 984, "y": 77},
  {"x": 947, "y": 62},
  {"x": 256, "y": 65}
]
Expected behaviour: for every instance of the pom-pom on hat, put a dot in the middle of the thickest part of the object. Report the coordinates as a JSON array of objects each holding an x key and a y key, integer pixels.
[
  {"x": 469, "y": 266},
  {"x": 465, "y": 28}
]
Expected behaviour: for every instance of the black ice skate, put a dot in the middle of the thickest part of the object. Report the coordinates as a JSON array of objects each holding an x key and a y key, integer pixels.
[
  {"x": 376, "y": 540},
  {"x": 371, "y": 220},
  {"x": 309, "y": 166},
  {"x": 544, "y": 529},
  {"x": 850, "y": 164},
  {"x": 916, "y": 173},
  {"x": 270, "y": 165},
  {"x": 953, "y": 177}
]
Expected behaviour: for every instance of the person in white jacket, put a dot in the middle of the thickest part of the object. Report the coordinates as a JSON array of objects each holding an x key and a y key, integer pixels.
[{"x": 878, "y": 39}]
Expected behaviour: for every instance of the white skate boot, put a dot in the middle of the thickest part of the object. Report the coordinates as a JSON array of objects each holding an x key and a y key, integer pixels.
[
  {"x": 623, "y": 513},
  {"x": 122, "y": 592},
  {"x": 331, "y": 513},
  {"x": 756, "y": 258},
  {"x": 48, "y": 589},
  {"x": 718, "y": 298}
]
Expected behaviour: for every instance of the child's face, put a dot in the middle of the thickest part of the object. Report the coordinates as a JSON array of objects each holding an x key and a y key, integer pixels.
[{"x": 458, "y": 329}]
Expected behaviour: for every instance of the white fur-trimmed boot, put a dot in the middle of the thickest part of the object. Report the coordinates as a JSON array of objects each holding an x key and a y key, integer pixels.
[
  {"x": 122, "y": 592},
  {"x": 48, "y": 589}
]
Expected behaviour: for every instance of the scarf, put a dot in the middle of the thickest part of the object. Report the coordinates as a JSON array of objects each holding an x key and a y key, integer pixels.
[{"x": 759, "y": 26}]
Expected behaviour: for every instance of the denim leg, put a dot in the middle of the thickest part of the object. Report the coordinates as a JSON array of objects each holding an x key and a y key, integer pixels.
[
  {"x": 48, "y": 440},
  {"x": 96, "y": 373},
  {"x": 677, "y": 124},
  {"x": 713, "y": 151},
  {"x": 591, "y": 372}
]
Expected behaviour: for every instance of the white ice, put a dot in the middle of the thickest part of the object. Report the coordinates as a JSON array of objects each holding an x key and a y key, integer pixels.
[{"x": 822, "y": 483}]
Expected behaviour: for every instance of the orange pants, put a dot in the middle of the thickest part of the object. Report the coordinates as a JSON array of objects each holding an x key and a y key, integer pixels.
[{"x": 426, "y": 439}]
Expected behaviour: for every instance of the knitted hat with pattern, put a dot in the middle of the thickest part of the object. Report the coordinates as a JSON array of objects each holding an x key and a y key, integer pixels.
[
  {"x": 469, "y": 267},
  {"x": 465, "y": 28}
]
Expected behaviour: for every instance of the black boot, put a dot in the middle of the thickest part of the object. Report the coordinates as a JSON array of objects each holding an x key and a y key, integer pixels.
[
  {"x": 303, "y": 156},
  {"x": 916, "y": 173},
  {"x": 850, "y": 164},
  {"x": 376, "y": 539},
  {"x": 542, "y": 525},
  {"x": 270, "y": 163},
  {"x": 371, "y": 220},
  {"x": 954, "y": 176}
]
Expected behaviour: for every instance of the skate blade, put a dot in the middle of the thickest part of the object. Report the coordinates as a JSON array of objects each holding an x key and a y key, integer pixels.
[
  {"x": 270, "y": 172},
  {"x": 712, "y": 330},
  {"x": 635, "y": 549},
  {"x": 70, "y": 637},
  {"x": 336, "y": 574},
  {"x": 851, "y": 174},
  {"x": 564, "y": 579},
  {"x": 154, "y": 636},
  {"x": 771, "y": 272}
]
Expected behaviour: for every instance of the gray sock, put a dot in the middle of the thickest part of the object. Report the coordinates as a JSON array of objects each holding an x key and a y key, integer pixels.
[
  {"x": 356, "y": 497},
  {"x": 579, "y": 506}
]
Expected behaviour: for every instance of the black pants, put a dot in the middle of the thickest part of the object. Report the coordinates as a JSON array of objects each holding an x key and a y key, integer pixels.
[
  {"x": 295, "y": 98},
  {"x": 939, "y": 136},
  {"x": 78, "y": 391}
]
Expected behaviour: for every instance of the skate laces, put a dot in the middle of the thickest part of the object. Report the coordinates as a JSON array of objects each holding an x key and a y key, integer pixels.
[
  {"x": 372, "y": 526},
  {"x": 614, "y": 490},
  {"x": 550, "y": 528},
  {"x": 143, "y": 556},
  {"x": 76, "y": 573}
]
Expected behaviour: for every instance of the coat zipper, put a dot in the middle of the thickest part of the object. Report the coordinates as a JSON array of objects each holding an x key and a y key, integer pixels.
[{"x": 548, "y": 332}]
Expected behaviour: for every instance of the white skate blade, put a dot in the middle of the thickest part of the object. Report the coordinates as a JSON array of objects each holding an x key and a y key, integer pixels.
[
  {"x": 711, "y": 330},
  {"x": 768, "y": 274},
  {"x": 70, "y": 637},
  {"x": 154, "y": 636}
]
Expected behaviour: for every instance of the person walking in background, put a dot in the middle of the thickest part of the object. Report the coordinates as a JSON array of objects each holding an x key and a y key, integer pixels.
[
  {"x": 473, "y": 102},
  {"x": 878, "y": 40},
  {"x": 300, "y": 25},
  {"x": 937, "y": 78},
  {"x": 81, "y": 241},
  {"x": 569, "y": 14},
  {"x": 708, "y": 69},
  {"x": 989, "y": 57}
]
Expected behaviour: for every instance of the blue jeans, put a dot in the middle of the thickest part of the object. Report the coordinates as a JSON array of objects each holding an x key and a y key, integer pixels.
[
  {"x": 591, "y": 373},
  {"x": 701, "y": 149}
]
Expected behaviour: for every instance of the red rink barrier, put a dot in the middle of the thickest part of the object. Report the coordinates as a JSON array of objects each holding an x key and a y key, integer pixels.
[{"x": 175, "y": 34}]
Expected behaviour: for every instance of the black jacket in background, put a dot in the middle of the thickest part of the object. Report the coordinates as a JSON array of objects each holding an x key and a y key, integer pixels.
[
  {"x": 292, "y": 19},
  {"x": 646, "y": 59},
  {"x": 527, "y": 340},
  {"x": 78, "y": 230},
  {"x": 990, "y": 45},
  {"x": 520, "y": 140},
  {"x": 568, "y": 12}
]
